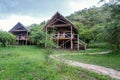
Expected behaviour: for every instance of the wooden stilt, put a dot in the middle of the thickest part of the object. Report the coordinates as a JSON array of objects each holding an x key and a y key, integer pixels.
[
  {"x": 26, "y": 42},
  {"x": 17, "y": 42},
  {"x": 78, "y": 41},
  {"x": 22, "y": 42},
  {"x": 63, "y": 45},
  {"x": 58, "y": 42},
  {"x": 71, "y": 44},
  {"x": 85, "y": 46},
  {"x": 71, "y": 39},
  {"x": 26, "y": 38},
  {"x": 46, "y": 37}
]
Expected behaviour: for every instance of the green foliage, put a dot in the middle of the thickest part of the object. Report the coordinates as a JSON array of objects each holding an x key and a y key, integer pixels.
[
  {"x": 92, "y": 16},
  {"x": 91, "y": 22},
  {"x": 89, "y": 34},
  {"x": 35, "y": 27},
  {"x": 112, "y": 29},
  {"x": 38, "y": 37},
  {"x": 6, "y": 38}
]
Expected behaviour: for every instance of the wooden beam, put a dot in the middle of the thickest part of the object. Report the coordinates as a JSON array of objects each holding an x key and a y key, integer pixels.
[
  {"x": 58, "y": 20},
  {"x": 18, "y": 30},
  {"x": 60, "y": 25}
]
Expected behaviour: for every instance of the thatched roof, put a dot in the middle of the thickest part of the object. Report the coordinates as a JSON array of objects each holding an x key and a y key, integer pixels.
[
  {"x": 18, "y": 27},
  {"x": 59, "y": 19}
]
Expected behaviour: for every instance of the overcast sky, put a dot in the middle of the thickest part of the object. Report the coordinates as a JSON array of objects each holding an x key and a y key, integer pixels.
[{"x": 34, "y": 11}]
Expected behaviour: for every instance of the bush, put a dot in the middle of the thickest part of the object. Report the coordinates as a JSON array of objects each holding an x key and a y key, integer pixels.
[
  {"x": 98, "y": 45},
  {"x": 6, "y": 38}
]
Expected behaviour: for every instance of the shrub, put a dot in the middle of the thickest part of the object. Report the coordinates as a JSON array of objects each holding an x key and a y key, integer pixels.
[{"x": 6, "y": 38}]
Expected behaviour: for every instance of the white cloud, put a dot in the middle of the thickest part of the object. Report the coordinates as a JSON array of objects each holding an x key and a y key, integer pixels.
[
  {"x": 71, "y": 6},
  {"x": 80, "y": 4},
  {"x": 9, "y": 22}
]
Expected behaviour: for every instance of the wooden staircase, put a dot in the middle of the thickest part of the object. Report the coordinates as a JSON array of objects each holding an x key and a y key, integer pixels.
[{"x": 82, "y": 44}]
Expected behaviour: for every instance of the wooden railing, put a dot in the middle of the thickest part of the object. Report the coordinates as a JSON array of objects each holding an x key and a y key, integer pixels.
[
  {"x": 21, "y": 37},
  {"x": 62, "y": 36}
]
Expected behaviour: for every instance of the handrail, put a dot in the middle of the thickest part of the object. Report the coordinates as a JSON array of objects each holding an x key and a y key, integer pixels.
[
  {"x": 82, "y": 42},
  {"x": 62, "y": 35},
  {"x": 21, "y": 37}
]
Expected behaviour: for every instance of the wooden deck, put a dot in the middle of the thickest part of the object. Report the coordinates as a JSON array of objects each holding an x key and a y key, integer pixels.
[
  {"x": 21, "y": 37},
  {"x": 64, "y": 36}
]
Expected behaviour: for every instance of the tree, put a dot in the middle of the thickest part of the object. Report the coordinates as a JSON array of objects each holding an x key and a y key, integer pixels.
[
  {"x": 38, "y": 37},
  {"x": 6, "y": 38},
  {"x": 113, "y": 28}
]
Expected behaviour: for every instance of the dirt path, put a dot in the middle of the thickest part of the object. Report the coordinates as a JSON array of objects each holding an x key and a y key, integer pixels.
[{"x": 98, "y": 69}]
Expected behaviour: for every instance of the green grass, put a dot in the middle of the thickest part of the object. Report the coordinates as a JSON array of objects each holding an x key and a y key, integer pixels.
[
  {"x": 111, "y": 60},
  {"x": 90, "y": 50},
  {"x": 29, "y": 63},
  {"x": 98, "y": 45}
]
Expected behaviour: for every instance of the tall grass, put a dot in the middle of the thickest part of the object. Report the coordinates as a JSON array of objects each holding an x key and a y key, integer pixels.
[{"x": 29, "y": 63}]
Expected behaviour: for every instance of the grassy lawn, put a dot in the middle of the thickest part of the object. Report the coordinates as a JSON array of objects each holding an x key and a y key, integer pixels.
[
  {"x": 111, "y": 60},
  {"x": 29, "y": 63}
]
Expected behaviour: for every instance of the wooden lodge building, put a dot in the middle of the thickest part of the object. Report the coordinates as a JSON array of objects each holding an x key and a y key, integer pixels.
[
  {"x": 64, "y": 33},
  {"x": 21, "y": 34}
]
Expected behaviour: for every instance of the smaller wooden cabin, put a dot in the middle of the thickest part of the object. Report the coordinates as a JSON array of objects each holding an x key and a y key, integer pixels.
[
  {"x": 21, "y": 34},
  {"x": 64, "y": 32}
]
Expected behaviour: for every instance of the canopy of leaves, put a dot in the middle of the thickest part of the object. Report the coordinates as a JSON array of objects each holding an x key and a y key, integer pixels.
[
  {"x": 91, "y": 16},
  {"x": 113, "y": 28}
]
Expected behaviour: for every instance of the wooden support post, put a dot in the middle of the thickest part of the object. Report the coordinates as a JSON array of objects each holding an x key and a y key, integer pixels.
[
  {"x": 46, "y": 37},
  {"x": 17, "y": 42},
  {"x": 22, "y": 42},
  {"x": 63, "y": 45},
  {"x": 26, "y": 42},
  {"x": 71, "y": 44},
  {"x": 58, "y": 42},
  {"x": 71, "y": 39},
  {"x": 78, "y": 41},
  {"x": 26, "y": 38},
  {"x": 85, "y": 46}
]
